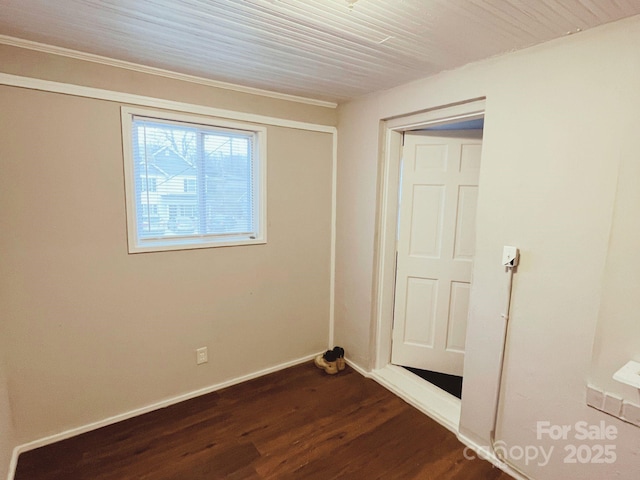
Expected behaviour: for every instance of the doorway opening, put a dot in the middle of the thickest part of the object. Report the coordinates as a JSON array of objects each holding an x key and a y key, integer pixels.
[
  {"x": 430, "y": 172},
  {"x": 452, "y": 384},
  {"x": 439, "y": 178}
]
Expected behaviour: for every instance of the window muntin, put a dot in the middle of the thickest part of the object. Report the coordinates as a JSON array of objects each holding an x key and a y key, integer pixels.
[{"x": 193, "y": 184}]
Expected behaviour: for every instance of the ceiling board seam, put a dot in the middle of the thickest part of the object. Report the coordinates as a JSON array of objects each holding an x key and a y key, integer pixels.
[
  {"x": 339, "y": 23},
  {"x": 504, "y": 17},
  {"x": 567, "y": 14},
  {"x": 532, "y": 13},
  {"x": 303, "y": 30}
]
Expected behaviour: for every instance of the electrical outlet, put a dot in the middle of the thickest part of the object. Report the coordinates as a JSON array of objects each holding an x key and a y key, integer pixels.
[
  {"x": 202, "y": 356},
  {"x": 510, "y": 256}
]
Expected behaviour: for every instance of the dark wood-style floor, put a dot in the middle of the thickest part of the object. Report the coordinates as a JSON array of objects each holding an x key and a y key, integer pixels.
[{"x": 297, "y": 423}]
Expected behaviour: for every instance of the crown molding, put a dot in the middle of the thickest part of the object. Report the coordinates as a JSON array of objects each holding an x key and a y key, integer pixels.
[{"x": 112, "y": 62}]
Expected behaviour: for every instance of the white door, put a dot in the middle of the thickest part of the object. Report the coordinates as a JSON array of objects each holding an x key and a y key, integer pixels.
[{"x": 436, "y": 238}]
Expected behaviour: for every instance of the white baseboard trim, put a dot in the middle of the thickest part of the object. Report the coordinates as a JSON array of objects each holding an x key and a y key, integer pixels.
[
  {"x": 13, "y": 464},
  {"x": 357, "y": 368},
  {"x": 429, "y": 399},
  {"x": 485, "y": 453},
  {"x": 436, "y": 404},
  {"x": 141, "y": 411}
]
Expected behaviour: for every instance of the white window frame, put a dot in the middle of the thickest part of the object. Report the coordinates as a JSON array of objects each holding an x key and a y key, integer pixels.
[{"x": 187, "y": 242}]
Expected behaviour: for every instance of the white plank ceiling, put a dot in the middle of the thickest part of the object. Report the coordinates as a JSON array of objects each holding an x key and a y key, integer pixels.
[{"x": 320, "y": 49}]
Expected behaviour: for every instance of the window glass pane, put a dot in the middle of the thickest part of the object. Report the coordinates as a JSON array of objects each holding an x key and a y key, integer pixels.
[
  {"x": 228, "y": 183},
  {"x": 165, "y": 156},
  {"x": 192, "y": 181}
]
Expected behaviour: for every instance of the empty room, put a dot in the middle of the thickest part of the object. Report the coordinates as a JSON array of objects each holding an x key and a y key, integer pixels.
[{"x": 271, "y": 239}]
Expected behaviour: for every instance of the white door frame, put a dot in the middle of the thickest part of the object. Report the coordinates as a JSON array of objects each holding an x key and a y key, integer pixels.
[{"x": 392, "y": 130}]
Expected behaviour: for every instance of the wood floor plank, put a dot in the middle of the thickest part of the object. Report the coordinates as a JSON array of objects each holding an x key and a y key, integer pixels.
[{"x": 295, "y": 424}]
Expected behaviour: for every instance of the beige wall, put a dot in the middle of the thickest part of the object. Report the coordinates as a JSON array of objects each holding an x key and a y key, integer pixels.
[
  {"x": 92, "y": 332},
  {"x": 559, "y": 123},
  {"x": 618, "y": 334}
]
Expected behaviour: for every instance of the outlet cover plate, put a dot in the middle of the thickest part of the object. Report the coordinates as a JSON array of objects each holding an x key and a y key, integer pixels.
[
  {"x": 202, "y": 356},
  {"x": 510, "y": 256}
]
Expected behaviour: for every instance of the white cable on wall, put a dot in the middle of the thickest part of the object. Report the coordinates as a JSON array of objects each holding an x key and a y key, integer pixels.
[{"x": 510, "y": 260}]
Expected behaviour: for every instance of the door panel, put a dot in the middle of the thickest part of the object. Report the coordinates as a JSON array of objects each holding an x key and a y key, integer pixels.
[
  {"x": 464, "y": 247},
  {"x": 426, "y": 220},
  {"x": 436, "y": 239},
  {"x": 420, "y": 309},
  {"x": 458, "y": 311}
]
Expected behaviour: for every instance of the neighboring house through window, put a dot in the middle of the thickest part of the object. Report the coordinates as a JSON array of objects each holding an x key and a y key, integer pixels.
[
  {"x": 149, "y": 185},
  {"x": 192, "y": 183}
]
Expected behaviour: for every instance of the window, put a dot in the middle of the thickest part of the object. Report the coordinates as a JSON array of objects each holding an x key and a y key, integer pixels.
[{"x": 192, "y": 182}]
